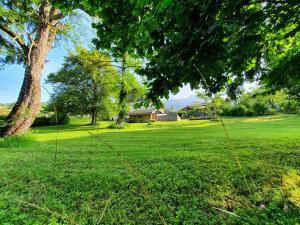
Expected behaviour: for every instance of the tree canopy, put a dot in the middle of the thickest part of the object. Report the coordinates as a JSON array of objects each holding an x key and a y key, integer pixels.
[
  {"x": 20, "y": 26},
  {"x": 86, "y": 85},
  {"x": 227, "y": 41}
]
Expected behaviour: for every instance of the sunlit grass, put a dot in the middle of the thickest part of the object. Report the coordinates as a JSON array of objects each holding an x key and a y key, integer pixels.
[
  {"x": 17, "y": 141},
  {"x": 291, "y": 184},
  {"x": 183, "y": 171}
]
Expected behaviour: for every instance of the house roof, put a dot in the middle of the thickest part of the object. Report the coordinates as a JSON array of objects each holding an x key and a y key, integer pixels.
[{"x": 141, "y": 111}]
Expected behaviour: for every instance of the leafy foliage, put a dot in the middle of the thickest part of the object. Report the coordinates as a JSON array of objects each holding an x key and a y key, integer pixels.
[
  {"x": 16, "y": 17},
  {"x": 259, "y": 102},
  {"x": 229, "y": 41},
  {"x": 20, "y": 24},
  {"x": 131, "y": 91},
  {"x": 86, "y": 85},
  {"x": 60, "y": 118}
]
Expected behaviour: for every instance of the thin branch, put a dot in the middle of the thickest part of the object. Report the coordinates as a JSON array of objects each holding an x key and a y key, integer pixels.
[
  {"x": 17, "y": 37},
  {"x": 32, "y": 43}
]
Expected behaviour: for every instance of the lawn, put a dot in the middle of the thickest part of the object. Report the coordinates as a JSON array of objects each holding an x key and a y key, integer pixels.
[{"x": 185, "y": 172}]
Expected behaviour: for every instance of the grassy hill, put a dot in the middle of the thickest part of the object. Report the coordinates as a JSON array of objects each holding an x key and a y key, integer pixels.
[{"x": 157, "y": 173}]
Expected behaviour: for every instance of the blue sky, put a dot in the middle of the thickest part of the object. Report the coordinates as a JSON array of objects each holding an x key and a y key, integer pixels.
[{"x": 12, "y": 76}]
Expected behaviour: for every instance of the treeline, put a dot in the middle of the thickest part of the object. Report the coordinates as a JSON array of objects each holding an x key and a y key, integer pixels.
[{"x": 256, "y": 103}]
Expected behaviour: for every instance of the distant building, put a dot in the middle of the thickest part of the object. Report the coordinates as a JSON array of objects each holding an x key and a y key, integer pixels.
[{"x": 145, "y": 115}]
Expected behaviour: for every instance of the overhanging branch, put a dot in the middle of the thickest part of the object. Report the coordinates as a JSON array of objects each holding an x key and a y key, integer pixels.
[
  {"x": 5, "y": 42},
  {"x": 15, "y": 36}
]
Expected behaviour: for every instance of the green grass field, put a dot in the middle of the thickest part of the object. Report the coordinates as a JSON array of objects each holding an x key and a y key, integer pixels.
[{"x": 184, "y": 172}]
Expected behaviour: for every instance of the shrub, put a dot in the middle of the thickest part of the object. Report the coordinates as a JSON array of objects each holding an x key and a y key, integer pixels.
[
  {"x": 115, "y": 126},
  {"x": 41, "y": 121},
  {"x": 290, "y": 106},
  {"x": 219, "y": 112},
  {"x": 249, "y": 112},
  {"x": 62, "y": 118},
  {"x": 260, "y": 108},
  {"x": 199, "y": 118},
  {"x": 226, "y": 111},
  {"x": 47, "y": 121},
  {"x": 271, "y": 111},
  {"x": 239, "y": 110},
  {"x": 2, "y": 121}
]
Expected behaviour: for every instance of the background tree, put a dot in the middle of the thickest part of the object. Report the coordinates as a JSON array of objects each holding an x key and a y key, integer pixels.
[
  {"x": 27, "y": 32},
  {"x": 117, "y": 37},
  {"x": 86, "y": 84},
  {"x": 131, "y": 90},
  {"x": 257, "y": 102},
  {"x": 213, "y": 102}
]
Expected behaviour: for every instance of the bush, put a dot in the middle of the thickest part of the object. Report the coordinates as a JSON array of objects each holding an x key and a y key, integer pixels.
[
  {"x": 199, "y": 118},
  {"x": 48, "y": 121},
  {"x": 271, "y": 111},
  {"x": 226, "y": 111},
  {"x": 260, "y": 108},
  {"x": 239, "y": 110},
  {"x": 41, "y": 121},
  {"x": 249, "y": 112},
  {"x": 290, "y": 106},
  {"x": 62, "y": 118},
  {"x": 115, "y": 126},
  {"x": 2, "y": 121}
]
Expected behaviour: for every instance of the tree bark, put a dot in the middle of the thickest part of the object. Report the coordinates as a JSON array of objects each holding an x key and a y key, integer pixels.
[{"x": 27, "y": 106}]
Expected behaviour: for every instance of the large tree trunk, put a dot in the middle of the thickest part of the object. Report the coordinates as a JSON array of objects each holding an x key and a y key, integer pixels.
[{"x": 27, "y": 106}]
